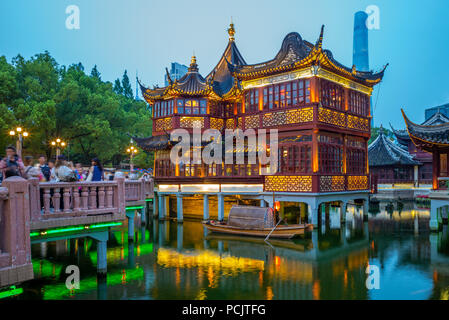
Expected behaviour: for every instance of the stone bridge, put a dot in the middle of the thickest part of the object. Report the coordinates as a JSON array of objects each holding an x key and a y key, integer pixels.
[{"x": 33, "y": 212}]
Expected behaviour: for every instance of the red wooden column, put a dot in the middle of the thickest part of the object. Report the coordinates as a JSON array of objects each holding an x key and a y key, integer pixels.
[
  {"x": 315, "y": 162},
  {"x": 435, "y": 168}
]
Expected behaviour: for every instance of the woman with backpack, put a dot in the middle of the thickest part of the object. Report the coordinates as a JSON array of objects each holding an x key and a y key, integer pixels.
[{"x": 63, "y": 173}]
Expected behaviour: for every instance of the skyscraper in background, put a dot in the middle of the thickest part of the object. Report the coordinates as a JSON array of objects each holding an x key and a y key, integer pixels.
[
  {"x": 360, "y": 57},
  {"x": 360, "y": 46},
  {"x": 176, "y": 71}
]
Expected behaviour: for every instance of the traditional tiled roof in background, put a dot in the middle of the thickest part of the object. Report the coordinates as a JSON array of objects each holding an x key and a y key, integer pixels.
[
  {"x": 438, "y": 134},
  {"x": 383, "y": 152}
]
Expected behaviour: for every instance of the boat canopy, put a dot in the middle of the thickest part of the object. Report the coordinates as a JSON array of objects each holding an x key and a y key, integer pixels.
[{"x": 249, "y": 217}]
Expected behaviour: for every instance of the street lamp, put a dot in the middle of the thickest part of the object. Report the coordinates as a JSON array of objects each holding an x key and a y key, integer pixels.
[
  {"x": 20, "y": 135},
  {"x": 132, "y": 151},
  {"x": 58, "y": 144}
]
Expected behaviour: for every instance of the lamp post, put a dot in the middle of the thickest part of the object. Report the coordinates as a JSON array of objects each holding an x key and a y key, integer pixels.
[
  {"x": 132, "y": 151},
  {"x": 58, "y": 144},
  {"x": 21, "y": 133}
]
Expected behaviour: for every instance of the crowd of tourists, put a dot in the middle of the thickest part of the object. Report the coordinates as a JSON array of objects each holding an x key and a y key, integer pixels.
[{"x": 59, "y": 170}]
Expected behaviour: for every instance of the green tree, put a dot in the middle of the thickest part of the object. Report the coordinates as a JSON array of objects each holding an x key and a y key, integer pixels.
[
  {"x": 52, "y": 101},
  {"x": 126, "y": 85},
  {"x": 118, "y": 87},
  {"x": 95, "y": 73},
  {"x": 375, "y": 133}
]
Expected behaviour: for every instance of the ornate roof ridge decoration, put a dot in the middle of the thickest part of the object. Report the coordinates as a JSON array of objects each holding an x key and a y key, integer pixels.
[
  {"x": 436, "y": 118},
  {"x": 152, "y": 94},
  {"x": 382, "y": 151},
  {"x": 191, "y": 84},
  {"x": 223, "y": 81},
  {"x": 153, "y": 143},
  {"x": 427, "y": 135},
  {"x": 297, "y": 53}
]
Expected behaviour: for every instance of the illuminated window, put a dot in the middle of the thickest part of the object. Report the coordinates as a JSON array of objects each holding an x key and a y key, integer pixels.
[
  {"x": 252, "y": 101},
  {"x": 332, "y": 95},
  {"x": 358, "y": 103},
  {"x": 330, "y": 154}
]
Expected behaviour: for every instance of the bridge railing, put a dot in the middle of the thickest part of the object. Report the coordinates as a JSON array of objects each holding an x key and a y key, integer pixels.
[
  {"x": 50, "y": 200},
  {"x": 149, "y": 188},
  {"x": 138, "y": 190},
  {"x": 15, "y": 252},
  {"x": 134, "y": 190},
  {"x": 3, "y": 204}
]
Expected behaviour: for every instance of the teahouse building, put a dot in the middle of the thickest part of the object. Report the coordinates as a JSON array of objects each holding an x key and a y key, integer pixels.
[{"x": 320, "y": 108}]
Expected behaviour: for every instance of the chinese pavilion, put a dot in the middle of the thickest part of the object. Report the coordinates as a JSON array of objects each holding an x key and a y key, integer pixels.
[
  {"x": 390, "y": 163},
  {"x": 434, "y": 139},
  {"x": 320, "y": 107},
  {"x": 424, "y": 174}
]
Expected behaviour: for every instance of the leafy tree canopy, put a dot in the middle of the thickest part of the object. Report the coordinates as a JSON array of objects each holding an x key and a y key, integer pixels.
[{"x": 53, "y": 101}]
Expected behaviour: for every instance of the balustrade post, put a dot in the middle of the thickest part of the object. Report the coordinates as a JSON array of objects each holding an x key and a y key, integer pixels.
[
  {"x": 35, "y": 199},
  {"x": 76, "y": 199},
  {"x": 84, "y": 197},
  {"x": 92, "y": 198},
  {"x": 101, "y": 196},
  {"x": 120, "y": 197},
  {"x": 56, "y": 199},
  {"x": 109, "y": 194},
  {"x": 47, "y": 197},
  {"x": 66, "y": 199}
]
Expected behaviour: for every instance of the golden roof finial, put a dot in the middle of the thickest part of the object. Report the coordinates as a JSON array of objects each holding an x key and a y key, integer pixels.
[
  {"x": 193, "y": 65},
  {"x": 231, "y": 31}
]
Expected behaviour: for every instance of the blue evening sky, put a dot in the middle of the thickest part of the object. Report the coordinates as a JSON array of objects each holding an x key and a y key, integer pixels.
[{"x": 147, "y": 35}]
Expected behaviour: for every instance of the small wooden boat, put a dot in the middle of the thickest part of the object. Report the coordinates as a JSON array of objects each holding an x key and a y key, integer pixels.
[{"x": 256, "y": 222}]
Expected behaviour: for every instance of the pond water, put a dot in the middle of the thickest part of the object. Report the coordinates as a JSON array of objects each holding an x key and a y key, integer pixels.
[{"x": 181, "y": 261}]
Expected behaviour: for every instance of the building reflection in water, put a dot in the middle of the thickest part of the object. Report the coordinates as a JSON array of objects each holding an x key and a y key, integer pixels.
[{"x": 181, "y": 261}]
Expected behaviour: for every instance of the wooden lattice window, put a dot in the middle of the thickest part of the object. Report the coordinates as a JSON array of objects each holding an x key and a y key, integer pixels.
[
  {"x": 252, "y": 101},
  {"x": 330, "y": 154},
  {"x": 294, "y": 93},
  {"x": 332, "y": 95},
  {"x": 358, "y": 103},
  {"x": 295, "y": 158},
  {"x": 356, "y": 156},
  {"x": 191, "y": 106}
]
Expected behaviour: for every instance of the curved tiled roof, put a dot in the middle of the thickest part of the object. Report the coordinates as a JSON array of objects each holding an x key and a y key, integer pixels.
[
  {"x": 437, "y": 118},
  {"x": 223, "y": 81},
  {"x": 191, "y": 84},
  {"x": 297, "y": 53},
  {"x": 383, "y": 152},
  {"x": 432, "y": 134},
  {"x": 153, "y": 143}
]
